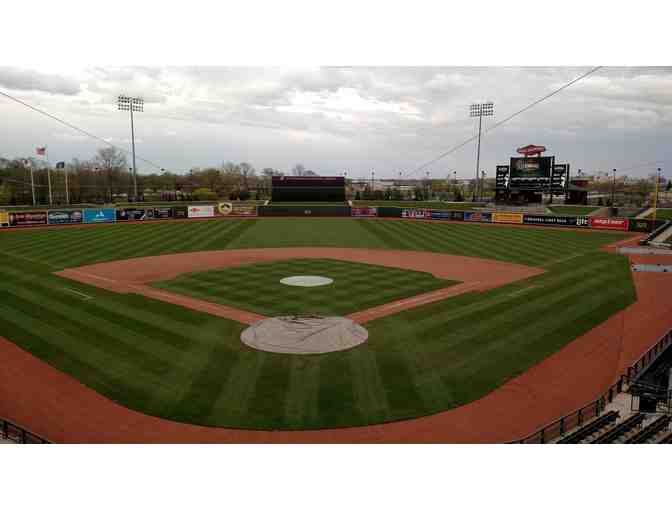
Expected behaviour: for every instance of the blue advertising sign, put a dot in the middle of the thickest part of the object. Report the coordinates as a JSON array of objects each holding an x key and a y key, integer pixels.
[
  {"x": 483, "y": 217},
  {"x": 99, "y": 215}
]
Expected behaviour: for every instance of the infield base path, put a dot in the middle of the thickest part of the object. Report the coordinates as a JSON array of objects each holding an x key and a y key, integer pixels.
[{"x": 135, "y": 275}]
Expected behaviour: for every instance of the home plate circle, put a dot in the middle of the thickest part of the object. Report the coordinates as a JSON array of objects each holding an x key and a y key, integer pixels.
[
  {"x": 304, "y": 334},
  {"x": 306, "y": 281}
]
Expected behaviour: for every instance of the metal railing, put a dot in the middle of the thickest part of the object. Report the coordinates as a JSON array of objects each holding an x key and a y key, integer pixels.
[
  {"x": 593, "y": 409},
  {"x": 11, "y": 432}
]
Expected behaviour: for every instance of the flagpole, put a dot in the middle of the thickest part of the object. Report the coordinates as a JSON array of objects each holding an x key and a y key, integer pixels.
[
  {"x": 67, "y": 194},
  {"x": 32, "y": 181},
  {"x": 46, "y": 157}
]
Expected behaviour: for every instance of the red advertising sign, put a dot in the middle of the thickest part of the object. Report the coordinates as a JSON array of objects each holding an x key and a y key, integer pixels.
[
  {"x": 364, "y": 212},
  {"x": 531, "y": 150},
  {"x": 609, "y": 223}
]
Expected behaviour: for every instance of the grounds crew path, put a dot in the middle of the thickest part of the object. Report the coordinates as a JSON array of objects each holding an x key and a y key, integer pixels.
[{"x": 134, "y": 275}]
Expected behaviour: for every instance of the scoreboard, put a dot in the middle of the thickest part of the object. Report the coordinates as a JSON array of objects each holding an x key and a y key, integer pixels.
[
  {"x": 531, "y": 173},
  {"x": 536, "y": 174},
  {"x": 307, "y": 189}
]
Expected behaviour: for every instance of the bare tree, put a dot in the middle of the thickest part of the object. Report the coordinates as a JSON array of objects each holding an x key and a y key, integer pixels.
[
  {"x": 247, "y": 171},
  {"x": 112, "y": 163}
]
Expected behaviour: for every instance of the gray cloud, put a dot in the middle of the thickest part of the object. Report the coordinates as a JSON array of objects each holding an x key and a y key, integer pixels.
[
  {"x": 28, "y": 79},
  {"x": 355, "y": 118}
]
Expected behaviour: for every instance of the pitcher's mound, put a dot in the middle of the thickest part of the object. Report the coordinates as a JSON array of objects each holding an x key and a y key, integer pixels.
[{"x": 304, "y": 334}]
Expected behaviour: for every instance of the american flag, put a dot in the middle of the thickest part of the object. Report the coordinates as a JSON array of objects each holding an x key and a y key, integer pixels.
[{"x": 41, "y": 151}]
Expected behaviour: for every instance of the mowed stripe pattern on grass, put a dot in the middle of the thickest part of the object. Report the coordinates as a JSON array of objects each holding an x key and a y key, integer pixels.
[
  {"x": 257, "y": 287},
  {"x": 168, "y": 361}
]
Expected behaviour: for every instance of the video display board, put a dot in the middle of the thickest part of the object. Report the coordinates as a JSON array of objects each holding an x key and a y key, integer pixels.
[
  {"x": 531, "y": 173},
  {"x": 502, "y": 177},
  {"x": 307, "y": 189}
]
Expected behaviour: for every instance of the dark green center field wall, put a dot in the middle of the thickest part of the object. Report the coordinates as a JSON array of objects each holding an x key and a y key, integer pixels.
[{"x": 179, "y": 364}]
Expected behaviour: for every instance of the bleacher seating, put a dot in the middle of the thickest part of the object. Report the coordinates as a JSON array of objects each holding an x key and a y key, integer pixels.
[
  {"x": 650, "y": 430},
  {"x": 665, "y": 439},
  {"x": 620, "y": 430},
  {"x": 590, "y": 429}
]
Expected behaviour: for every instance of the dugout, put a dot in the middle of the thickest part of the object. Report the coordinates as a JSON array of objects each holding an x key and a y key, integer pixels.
[{"x": 307, "y": 189}]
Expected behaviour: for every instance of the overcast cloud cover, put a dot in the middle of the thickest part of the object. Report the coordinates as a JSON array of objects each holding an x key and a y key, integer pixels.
[{"x": 337, "y": 119}]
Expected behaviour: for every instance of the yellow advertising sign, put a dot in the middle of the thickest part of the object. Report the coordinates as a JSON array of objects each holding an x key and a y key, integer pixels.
[
  {"x": 236, "y": 209},
  {"x": 4, "y": 219},
  {"x": 507, "y": 217}
]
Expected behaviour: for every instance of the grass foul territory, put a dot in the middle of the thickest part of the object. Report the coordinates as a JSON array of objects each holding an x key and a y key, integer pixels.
[{"x": 169, "y": 361}]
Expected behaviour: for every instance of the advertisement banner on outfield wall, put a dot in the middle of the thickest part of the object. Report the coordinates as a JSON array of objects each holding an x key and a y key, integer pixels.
[
  {"x": 28, "y": 218},
  {"x": 560, "y": 221},
  {"x": 507, "y": 217},
  {"x": 180, "y": 211},
  {"x": 100, "y": 215},
  {"x": 141, "y": 214},
  {"x": 364, "y": 212},
  {"x": 609, "y": 223},
  {"x": 481, "y": 217},
  {"x": 416, "y": 214},
  {"x": 437, "y": 214},
  {"x": 201, "y": 211},
  {"x": 131, "y": 214},
  {"x": 64, "y": 217},
  {"x": 236, "y": 209},
  {"x": 4, "y": 219}
]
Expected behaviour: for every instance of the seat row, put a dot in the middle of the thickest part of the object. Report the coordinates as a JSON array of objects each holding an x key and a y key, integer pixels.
[{"x": 591, "y": 428}]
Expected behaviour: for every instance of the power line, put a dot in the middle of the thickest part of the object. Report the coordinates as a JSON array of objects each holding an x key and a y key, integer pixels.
[
  {"x": 72, "y": 126},
  {"x": 497, "y": 124}
]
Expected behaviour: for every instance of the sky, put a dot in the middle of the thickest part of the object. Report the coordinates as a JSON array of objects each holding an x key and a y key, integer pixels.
[{"x": 338, "y": 119}]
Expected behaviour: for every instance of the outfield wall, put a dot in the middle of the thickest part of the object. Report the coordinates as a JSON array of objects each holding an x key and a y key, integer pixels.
[{"x": 66, "y": 216}]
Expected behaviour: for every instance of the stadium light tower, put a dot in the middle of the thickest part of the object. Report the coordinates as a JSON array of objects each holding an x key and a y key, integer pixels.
[
  {"x": 480, "y": 110},
  {"x": 132, "y": 104}
]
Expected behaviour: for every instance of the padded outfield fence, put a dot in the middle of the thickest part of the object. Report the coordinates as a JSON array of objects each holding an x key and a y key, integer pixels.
[
  {"x": 576, "y": 418},
  {"x": 75, "y": 216},
  {"x": 12, "y": 432}
]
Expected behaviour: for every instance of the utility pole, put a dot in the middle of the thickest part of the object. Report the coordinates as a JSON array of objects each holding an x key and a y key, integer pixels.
[
  {"x": 480, "y": 110},
  {"x": 613, "y": 189}
]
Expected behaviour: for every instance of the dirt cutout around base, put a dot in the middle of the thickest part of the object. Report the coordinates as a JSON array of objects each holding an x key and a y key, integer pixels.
[{"x": 134, "y": 275}]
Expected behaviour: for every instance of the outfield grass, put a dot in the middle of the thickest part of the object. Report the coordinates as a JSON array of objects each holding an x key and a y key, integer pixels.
[
  {"x": 180, "y": 364},
  {"x": 572, "y": 210},
  {"x": 257, "y": 287}
]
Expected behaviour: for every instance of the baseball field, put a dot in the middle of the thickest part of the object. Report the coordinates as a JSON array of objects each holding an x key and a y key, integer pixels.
[{"x": 187, "y": 365}]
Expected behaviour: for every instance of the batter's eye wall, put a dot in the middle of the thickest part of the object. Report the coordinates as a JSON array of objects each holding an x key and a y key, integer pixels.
[{"x": 307, "y": 189}]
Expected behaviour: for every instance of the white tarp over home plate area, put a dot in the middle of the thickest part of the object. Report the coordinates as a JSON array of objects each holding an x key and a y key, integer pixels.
[{"x": 304, "y": 334}]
